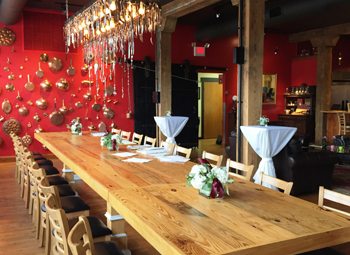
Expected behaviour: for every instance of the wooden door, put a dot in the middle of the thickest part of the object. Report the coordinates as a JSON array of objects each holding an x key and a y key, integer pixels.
[{"x": 212, "y": 110}]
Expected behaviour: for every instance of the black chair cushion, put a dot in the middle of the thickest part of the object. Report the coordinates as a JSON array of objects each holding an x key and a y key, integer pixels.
[
  {"x": 38, "y": 157},
  {"x": 73, "y": 204},
  {"x": 56, "y": 180},
  {"x": 98, "y": 228},
  {"x": 107, "y": 248},
  {"x": 65, "y": 190},
  {"x": 42, "y": 162},
  {"x": 50, "y": 170}
]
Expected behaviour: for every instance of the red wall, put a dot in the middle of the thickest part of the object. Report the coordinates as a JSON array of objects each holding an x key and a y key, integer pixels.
[
  {"x": 17, "y": 56},
  {"x": 277, "y": 64}
]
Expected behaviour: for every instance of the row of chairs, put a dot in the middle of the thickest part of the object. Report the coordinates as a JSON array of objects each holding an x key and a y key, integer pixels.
[{"x": 56, "y": 207}]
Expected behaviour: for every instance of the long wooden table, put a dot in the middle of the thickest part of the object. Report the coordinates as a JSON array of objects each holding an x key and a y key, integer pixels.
[{"x": 175, "y": 219}]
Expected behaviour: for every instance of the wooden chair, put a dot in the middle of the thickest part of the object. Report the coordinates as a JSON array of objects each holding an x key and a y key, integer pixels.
[
  {"x": 240, "y": 170},
  {"x": 344, "y": 128},
  {"x": 137, "y": 138},
  {"x": 214, "y": 160},
  {"x": 116, "y": 131},
  {"x": 125, "y": 135},
  {"x": 81, "y": 243},
  {"x": 182, "y": 151},
  {"x": 169, "y": 146},
  {"x": 283, "y": 185},
  {"x": 335, "y": 197},
  {"x": 60, "y": 226},
  {"x": 149, "y": 140},
  {"x": 73, "y": 206}
]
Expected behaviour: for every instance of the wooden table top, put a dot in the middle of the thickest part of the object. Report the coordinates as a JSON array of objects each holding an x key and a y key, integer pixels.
[{"x": 175, "y": 219}]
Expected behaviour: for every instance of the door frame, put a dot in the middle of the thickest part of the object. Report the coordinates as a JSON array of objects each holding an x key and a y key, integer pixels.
[{"x": 201, "y": 96}]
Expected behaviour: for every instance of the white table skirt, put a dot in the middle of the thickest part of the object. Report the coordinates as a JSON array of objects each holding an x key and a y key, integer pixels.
[
  {"x": 171, "y": 126},
  {"x": 267, "y": 141}
]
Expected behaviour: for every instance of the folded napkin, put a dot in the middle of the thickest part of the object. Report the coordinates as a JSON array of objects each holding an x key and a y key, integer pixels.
[
  {"x": 98, "y": 134},
  {"x": 124, "y": 154},
  {"x": 127, "y": 142},
  {"x": 137, "y": 160},
  {"x": 173, "y": 158},
  {"x": 138, "y": 147},
  {"x": 154, "y": 151}
]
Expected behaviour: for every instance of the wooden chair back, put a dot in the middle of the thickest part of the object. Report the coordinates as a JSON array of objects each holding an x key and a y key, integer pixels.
[
  {"x": 58, "y": 226},
  {"x": 125, "y": 135},
  {"x": 214, "y": 160},
  {"x": 80, "y": 238},
  {"x": 116, "y": 131},
  {"x": 150, "y": 141},
  {"x": 344, "y": 128},
  {"x": 182, "y": 151},
  {"x": 326, "y": 194},
  {"x": 137, "y": 138},
  {"x": 283, "y": 185},
  {"x": 169, "y": 146},
  {"x": 239, "y": 170}
]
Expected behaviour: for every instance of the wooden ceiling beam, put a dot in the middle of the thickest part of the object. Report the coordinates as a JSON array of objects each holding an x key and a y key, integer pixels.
[
  {"x": 179, "y": 8},
  {"x": 336, "y": 30}
]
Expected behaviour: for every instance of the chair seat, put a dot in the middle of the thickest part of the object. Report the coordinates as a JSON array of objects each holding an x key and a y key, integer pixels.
[
  {"x": 98, "y": 228},
  {"x": 50, "y": 170},
  {"x": 65, "y": 190},
  {"x": 56, "y": 180},
  {"x": 42, "y": 162},
  {"x": 73, "y": 204},
  {"x": 107, "y": 248},
  {"x": 38, "y": 157}
]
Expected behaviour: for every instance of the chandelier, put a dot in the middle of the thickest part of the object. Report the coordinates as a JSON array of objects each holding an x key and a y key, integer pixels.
[{"x": 106, "y": 27}]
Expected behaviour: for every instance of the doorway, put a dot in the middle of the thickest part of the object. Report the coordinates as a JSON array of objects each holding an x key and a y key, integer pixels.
[{"x": 210, "y": 106}]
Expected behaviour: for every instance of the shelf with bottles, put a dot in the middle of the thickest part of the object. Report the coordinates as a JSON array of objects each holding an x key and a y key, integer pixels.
[{"x": 300, "y": 91}]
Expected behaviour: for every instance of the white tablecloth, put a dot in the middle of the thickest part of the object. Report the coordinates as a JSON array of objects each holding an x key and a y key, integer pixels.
[
  {"x": 267, "y": 142},
  {"x": 171, "y": 126}
]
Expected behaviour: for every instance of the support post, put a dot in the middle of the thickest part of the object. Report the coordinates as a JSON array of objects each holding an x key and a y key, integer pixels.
[
  {"x": 253, "y": 42},
  {"x": 324, "y": 81},
  {"x": 163, "y": 67}
]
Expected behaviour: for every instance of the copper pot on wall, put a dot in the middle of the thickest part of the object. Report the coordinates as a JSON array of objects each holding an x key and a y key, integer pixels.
[
  {"x": 62, "y": 84},
  {"x": 46, "y": 85}
]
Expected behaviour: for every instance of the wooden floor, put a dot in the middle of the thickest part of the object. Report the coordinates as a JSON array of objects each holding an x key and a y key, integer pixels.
[{"x": 17, "y": 231}]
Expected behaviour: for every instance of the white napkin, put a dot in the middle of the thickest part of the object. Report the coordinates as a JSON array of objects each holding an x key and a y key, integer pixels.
[
  {"x": 127, "y": 142},
  {"x": 124, "y": 154},
  {"x": 154, "y": 151},
  {"x": 173, "y": 158},
  {"x": 98, "y": 134},
  {"x": 137, "y": 160},
  {"x": 138, "y": 147}
]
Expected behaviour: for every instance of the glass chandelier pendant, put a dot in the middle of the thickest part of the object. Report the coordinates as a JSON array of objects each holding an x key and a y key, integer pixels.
[{"x": 109, "y": 26}]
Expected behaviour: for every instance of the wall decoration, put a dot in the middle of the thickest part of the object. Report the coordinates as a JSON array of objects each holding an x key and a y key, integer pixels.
[
  {"x": 269, "y": 84},
  {"x": 7, "y": 36},
  {"x": 12, "y": 125}
]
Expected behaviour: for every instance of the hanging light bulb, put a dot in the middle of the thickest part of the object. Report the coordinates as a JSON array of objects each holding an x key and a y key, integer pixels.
[
  {"x": 112, "y": 6},
  {"x": 142, "y": 8}
]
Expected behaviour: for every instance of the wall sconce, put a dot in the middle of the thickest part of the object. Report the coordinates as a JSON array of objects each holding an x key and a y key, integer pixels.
[{"x": 199, "y": 51}]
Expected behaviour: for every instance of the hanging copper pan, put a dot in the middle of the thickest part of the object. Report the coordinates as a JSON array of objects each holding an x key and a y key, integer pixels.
[
  {"x": 56, "y": 117},
  {"x": 62, "y": 84},
  {"x": 41, "y": 103},
  {"x": 44, "y": 57},
  {"x": 39, "y": 73},
  {"x": 71, "y": 69},
  {"x": 29, "y": 86},
  {"x": 55, "y": 64},
  {"x": 46, "y": 85},
  {"x": 6, "y": 106},
  {"x": 96, "y": 106},
  {"x": 23, "y": 111}
]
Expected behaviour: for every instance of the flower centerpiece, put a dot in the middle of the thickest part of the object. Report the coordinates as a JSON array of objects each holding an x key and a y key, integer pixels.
[
  {"x": 263, "y": 121},
  {"x": 210, "y": 181},
  {"x": 111, "y": 141}
]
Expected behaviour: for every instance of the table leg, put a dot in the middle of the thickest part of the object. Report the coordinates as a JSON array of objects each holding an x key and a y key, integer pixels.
[
  {"x": 116, "y": 223},
  {"x": 69, "y": 175}
]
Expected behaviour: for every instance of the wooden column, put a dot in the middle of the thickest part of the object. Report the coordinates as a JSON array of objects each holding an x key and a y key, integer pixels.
[
  {"x": 253, "y": 42},
  {"x": 324, "y": 81},
  {"x": 163, "y": 66}
]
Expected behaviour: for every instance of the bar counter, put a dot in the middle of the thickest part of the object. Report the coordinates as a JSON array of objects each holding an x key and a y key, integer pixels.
[{"x": 330, "y": 124}]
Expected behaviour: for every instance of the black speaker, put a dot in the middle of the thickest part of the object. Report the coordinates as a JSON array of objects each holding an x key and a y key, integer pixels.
[{"x": 238, "y": 55}]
